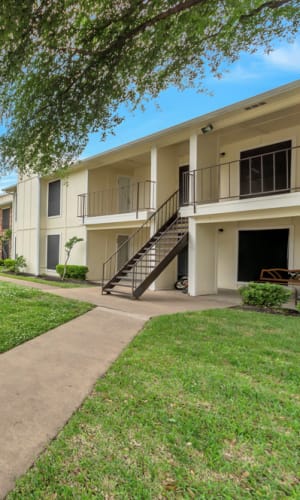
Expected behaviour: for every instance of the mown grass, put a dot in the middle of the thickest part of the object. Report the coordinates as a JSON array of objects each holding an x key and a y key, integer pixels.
[
  {"x": 201, "y": 405},
  {"x": 26, "y": 313},
  {"x": 59, "y": 284}
]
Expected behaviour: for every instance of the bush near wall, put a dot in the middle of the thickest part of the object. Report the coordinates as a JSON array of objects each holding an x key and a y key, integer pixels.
[
  {"x": 9, "y": 264},
  {"x": 264, "y": 294},
  {"x": 73, "y": 272}
]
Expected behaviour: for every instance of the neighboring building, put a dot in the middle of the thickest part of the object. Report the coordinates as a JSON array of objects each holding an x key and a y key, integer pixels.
[
  {"x": 238, "y": 175},
  {"x": 6, "y": 201}
]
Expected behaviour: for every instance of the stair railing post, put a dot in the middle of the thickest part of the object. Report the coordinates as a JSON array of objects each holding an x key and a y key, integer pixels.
[
  {"x": 103, "y": 276},
  {"x": 83, "y": 207},
  {"x": 137, "y": 199},
  {"x": 133, "y": 280},
  {"x": 194, "y": 190}
]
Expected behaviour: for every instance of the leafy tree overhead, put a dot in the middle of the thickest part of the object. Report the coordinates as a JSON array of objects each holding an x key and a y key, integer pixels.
[{"x": 67, "y": 65}]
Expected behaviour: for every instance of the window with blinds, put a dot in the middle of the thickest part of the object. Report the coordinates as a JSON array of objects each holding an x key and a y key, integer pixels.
[{"x": 54, "y": 198}]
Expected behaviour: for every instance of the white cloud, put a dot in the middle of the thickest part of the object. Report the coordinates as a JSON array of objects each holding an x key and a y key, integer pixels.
[
  {"x": 286, "y": 58},
  {"x": 240, "y": 73}
]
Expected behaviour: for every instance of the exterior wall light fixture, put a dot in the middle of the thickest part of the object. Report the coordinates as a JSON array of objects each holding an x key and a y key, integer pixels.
[{"x": 207, "y": 128}]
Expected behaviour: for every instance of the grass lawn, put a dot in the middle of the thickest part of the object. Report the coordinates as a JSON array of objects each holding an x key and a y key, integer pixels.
[
  {"x": 26, "y": 313},
  {"x": 201, "y": 405},
  {"x": 59, "y": 284}
]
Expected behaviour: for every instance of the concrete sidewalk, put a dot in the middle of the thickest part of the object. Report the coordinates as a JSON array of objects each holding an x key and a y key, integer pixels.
[
  {"x": 43, "y": 381},
  {"x": 150, "y": 304}
]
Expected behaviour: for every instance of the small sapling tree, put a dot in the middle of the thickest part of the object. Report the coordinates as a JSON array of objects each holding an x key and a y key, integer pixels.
[
  {"x": 69, "y": 245},
  {"x": 5, "y": 239}
]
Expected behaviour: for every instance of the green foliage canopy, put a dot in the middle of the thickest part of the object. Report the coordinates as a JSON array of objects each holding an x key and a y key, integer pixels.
[{"x": 67, "y": 65}]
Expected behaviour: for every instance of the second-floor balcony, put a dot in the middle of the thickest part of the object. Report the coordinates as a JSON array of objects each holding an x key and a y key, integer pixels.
[
  {"x": 270, "y": 173},
  {"x": 133, "y": 198}
]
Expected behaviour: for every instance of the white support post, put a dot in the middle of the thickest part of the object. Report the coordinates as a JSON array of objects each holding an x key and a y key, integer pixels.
[
  {"x": 154, "y": 179},
  {"x": 154, "y": 174},
  {"x": 202, "y": 258},
  {"x": 193, "y": 166}
]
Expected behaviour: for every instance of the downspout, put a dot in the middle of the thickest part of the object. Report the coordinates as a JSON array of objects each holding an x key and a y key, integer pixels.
[{"x": 38, "y": 229}]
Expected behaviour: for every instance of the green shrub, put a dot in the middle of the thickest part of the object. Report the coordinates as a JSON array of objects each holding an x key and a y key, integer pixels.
[
  {"x": 9, "y": 264},
  {"x": 264, "y": 294},
  {"x": 73, "y": 272},
  {"x": 1, "y": 262},
  {"x": 20, "y": 263},
  {"x": 15, "y": 265}
]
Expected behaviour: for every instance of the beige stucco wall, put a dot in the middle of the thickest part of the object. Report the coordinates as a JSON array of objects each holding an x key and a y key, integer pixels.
[
  {"x": 207, "y": 178},
  {"x": 107, "y": 177},
  {"x": 103, "y": 188},
  {"x": 101, "y": 244},
  {"x": 71, "y": 187},
  {"x": 78, "y": 254},
  {"x": 25, "y": 230},
  {"x": 165, "y": 169},
  {"x": 31, "y": 230}
]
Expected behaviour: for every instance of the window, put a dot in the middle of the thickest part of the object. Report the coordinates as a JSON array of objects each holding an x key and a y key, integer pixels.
[
  {"x": 5, "y": 218},
  {"x": 52, "y": 251},
  {"x": 265, "y": 170},
  {"x": 53, "y": 198}
]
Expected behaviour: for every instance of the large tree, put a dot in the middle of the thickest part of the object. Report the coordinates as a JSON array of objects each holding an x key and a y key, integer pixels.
[{"x": 67, "y": 65}]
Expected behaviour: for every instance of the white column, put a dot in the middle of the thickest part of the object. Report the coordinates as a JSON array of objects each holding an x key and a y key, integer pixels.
[
  {"x": 154, "y": 179},
  {"x": 193, "y": 152},
  {"x": 193, "y": 164},
  {"x": 202, "y": 258},
  {"x": 154, "y": 174}
]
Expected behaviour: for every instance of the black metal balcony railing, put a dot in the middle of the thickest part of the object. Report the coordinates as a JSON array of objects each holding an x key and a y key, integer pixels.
[
  {"x": 255, "y": 176},
  {"x": 133, "y": 198}
]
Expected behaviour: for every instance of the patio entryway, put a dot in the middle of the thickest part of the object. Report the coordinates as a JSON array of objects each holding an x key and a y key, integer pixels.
[{"x": 261, "y": 249}]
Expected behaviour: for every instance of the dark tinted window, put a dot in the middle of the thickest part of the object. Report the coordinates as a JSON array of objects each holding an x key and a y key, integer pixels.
[
  {"x": 266, "y": 170},
  {"x": 54, "y": 198},
  {"x": 52, "y": 251},
  {"x": 5, "y": 218}
]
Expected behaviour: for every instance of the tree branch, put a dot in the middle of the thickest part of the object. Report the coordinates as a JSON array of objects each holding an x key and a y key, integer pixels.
[{"x": 273, "y": 4}]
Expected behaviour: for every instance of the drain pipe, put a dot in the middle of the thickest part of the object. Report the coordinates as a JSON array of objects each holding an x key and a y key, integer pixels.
[{"x": 38, "y": 229}]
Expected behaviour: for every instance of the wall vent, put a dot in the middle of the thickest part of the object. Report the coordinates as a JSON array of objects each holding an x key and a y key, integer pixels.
[{"x": 256, "y": 105}]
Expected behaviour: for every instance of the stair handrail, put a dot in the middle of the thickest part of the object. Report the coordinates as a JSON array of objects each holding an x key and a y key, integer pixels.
[
  {"x": 156, "y": 243},
  {"x": 172, "y": 199}
]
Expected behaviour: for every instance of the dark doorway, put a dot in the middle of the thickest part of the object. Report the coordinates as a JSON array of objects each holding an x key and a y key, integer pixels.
[
  {"x": 261, "y": 249},
  {"x": 183, "y": 262},
  {"x": 184, "y": 185},
  {"x": 52, "y": 251},
  {"x": 123, "y": 251}
]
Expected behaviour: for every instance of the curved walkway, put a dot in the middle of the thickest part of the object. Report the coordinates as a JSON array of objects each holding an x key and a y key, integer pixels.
[{"x": 43, "y": 381}]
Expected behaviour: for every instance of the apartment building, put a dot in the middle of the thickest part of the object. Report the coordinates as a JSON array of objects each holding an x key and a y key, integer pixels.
[{"x": 216, "y": 198}]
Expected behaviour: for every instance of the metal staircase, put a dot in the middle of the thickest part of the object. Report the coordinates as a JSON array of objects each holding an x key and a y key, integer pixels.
[{"x": 151, "y": 248}]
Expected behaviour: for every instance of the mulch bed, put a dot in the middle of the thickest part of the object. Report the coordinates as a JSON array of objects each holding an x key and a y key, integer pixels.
[{"x": 283, "y": 311}]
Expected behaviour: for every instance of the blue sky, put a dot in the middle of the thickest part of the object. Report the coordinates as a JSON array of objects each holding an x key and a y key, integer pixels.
[{"x": 250, "y": 75}]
